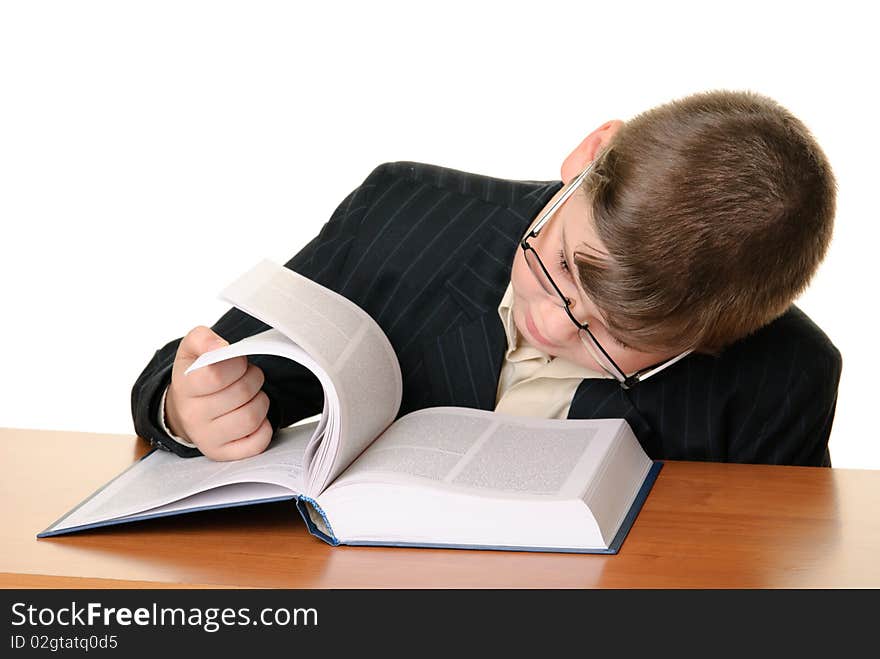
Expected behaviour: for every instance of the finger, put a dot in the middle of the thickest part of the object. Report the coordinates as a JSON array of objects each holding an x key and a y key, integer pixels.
[
  {"x": 247, "y": 446},
  {"x": 234, "y": 396},
  {"x": 199, "y": 340},
  {"x": 211, "y": 379},
  {"x": 238, "y": 423}
]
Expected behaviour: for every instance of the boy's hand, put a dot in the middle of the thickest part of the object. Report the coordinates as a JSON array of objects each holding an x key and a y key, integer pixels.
[{"x": 220, "y": 408}]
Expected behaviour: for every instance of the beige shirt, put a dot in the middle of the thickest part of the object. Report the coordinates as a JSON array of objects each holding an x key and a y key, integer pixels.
[{"x": 532, "y": 383}]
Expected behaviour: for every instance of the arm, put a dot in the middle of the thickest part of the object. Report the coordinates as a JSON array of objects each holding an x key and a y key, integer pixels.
[{"x": 294, "y": 393}]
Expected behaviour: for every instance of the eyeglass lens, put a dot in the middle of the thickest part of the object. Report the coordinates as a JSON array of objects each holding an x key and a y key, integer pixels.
[{"x": 541, "y": 275}]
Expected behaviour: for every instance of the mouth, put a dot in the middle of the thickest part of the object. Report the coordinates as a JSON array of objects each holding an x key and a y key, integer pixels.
[{"x": 533, "y": 330}]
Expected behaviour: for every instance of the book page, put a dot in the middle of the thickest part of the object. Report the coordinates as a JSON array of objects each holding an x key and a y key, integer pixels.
[
  {"x": 162, "y": 478},
  {"x": 482, "y": 451},
  {"x": 336, "y": 340}
]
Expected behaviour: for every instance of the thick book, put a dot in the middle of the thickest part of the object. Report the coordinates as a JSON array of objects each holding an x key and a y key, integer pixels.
[{"x": 437, "y": 477}]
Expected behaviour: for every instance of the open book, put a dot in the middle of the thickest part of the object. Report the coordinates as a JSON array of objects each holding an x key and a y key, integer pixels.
[{"x": 437, "y": 477}]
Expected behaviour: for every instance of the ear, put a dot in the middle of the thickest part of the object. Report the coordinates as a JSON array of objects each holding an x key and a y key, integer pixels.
[{"x": 586, "y": 151}]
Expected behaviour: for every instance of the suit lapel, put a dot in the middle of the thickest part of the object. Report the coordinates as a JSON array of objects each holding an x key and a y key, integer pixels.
[{"x": 464, "y": 362}]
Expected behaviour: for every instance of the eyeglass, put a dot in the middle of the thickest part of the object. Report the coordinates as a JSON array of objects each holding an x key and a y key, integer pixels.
[{"x": 539, "y": 271}]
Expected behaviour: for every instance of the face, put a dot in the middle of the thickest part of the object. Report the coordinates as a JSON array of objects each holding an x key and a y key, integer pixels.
[{"x": 539, "y": 317}]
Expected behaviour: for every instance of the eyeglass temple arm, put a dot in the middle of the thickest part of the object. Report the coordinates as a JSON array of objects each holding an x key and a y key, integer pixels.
[
  {"x": 556, "y": 204},
  {"x": 635, "y": 378}
]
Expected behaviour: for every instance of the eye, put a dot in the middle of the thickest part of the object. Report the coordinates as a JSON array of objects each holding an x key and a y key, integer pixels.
[{"x": 563, "y": 265}]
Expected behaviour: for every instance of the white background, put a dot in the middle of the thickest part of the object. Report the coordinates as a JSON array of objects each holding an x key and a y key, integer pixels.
[{"x": 151, "y": 152}]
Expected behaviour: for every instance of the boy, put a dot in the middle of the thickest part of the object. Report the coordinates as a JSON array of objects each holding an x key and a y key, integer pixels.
[{"x": 655, "y": 285}]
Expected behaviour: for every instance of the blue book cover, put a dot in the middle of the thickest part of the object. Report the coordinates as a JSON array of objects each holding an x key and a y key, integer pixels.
[{"x": 321, "y": 527}]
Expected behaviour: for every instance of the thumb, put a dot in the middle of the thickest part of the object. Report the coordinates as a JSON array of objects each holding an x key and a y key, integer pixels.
[{"x": 198, "y": 341}]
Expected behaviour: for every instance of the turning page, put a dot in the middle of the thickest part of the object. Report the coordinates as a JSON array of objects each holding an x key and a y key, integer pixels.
[{"x": 335, "y": 339}]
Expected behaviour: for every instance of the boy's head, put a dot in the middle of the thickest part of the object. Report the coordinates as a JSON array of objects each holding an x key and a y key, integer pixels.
[
  {"x": 714, "y": 210},
  {"x": 700, "y": 222}
]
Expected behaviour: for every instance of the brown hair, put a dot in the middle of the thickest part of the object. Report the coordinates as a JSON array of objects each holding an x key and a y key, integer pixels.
[{"x": 716, "y": 210}]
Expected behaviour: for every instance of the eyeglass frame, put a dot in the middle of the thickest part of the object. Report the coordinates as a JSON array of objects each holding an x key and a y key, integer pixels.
[{"x": 626, "y": 381}]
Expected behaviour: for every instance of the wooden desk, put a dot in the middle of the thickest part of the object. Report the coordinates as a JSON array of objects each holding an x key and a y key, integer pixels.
[{"x": 703, "y": 526}]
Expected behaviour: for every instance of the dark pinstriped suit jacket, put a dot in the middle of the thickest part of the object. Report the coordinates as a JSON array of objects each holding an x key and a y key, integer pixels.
[{"x": 427, "y": 252}]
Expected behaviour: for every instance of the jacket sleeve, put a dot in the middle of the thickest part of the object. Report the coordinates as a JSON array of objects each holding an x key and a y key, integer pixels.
[
  {"x": 796, "y": 430},
  {"x": 294, "y": 393}
]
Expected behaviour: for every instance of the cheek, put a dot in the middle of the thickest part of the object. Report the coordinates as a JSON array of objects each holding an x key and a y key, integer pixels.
[{"x": 627, "y": 359}]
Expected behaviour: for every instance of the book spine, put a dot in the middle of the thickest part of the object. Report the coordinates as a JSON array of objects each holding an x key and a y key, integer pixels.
[{"x": 315, "y": 519}]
